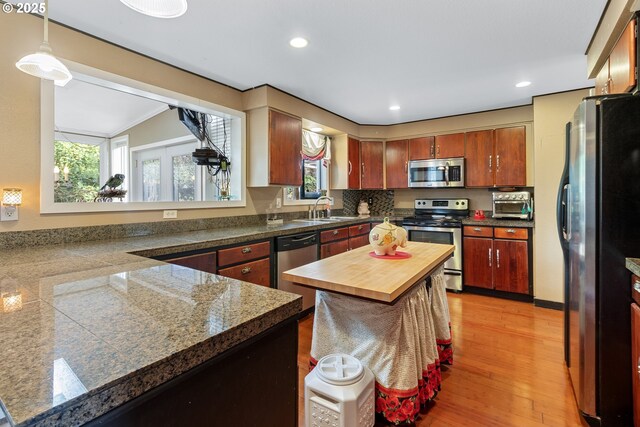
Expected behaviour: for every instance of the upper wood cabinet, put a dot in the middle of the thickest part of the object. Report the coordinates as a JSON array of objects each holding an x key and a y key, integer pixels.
[
  {"x": 511, "y": 157},
  {"x": 438, "y": 147},
  {"x": 496, "y": 158},
  {"x": 371, "y": 161},
  {"x": 422, "y": 148},
  {"x": 622, "y": 61},
  {"x": 275, "y": 141},
  {"x": 345, "y": 163},
  {"x": 451, "y": 145},
  {"x": 397, "y": 162},
  {"x": 479, "y": 159},
  {"x": 619, "y": 74}
]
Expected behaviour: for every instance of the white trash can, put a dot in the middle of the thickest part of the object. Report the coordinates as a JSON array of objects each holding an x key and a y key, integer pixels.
[{"x": 339, "y": 392}]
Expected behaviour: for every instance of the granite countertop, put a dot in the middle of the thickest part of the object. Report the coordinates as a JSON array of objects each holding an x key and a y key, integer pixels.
[
  {"x": 498, "y": 222},
  {"x": 633, "y": 265},
  {"x": 101, "y": 325}
]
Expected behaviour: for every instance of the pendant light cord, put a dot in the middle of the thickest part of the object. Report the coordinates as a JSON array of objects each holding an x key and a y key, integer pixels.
[{"x": 46, "y": 21}]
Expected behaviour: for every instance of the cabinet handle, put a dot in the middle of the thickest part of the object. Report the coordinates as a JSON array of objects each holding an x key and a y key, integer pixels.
[
  {"x": 406, "y": 167},
  {"x": 498, "y": 163},
  {"x": 638, "y": 366},
  {"x": 359, "y": 227},
  {"x": 433, "y": 150},
  {"x": 246, "y": 250},
  {"x": 246, "y": 270},
  {"x": 498, "y": 257},
  {"x": 477, "y": 229},
  {"x": 490, "y": 163},
  {"x": 511, "y": 231},
  {"x": 636, "y": 286},
  {"x": 350, "y": 167},
  {"x": 438, "y": 151},
  {"x": 335, "y": 232},
  {"x": 490, "y": 255},
  {"x": 362, "y": 169}
]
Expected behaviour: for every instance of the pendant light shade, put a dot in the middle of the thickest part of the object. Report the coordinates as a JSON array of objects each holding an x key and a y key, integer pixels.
[
  {"x": 158, "y": 8},
  {"x": 42, "y": 63}
]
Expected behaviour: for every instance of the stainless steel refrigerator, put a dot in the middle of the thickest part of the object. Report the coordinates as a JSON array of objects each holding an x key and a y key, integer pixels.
[{"x": 599, "y": 225}]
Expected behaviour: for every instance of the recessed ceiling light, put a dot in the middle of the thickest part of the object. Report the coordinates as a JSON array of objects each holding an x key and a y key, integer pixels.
[
  {"x": 523, "y": 84},
  {"x": 394, "y": 107},
  {"x": 158, "y": 8},
  {"x": 298, "y": 42},
  {"x": 315, "y": 129}
]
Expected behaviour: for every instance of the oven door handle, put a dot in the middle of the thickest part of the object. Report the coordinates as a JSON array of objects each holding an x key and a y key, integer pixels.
[
  {"x": 446, "y": 173},
  {"x": 420, "y": 228}
]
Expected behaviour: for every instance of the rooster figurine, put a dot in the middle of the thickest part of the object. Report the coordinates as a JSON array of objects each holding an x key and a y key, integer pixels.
[{"x": 114, "y": 182}]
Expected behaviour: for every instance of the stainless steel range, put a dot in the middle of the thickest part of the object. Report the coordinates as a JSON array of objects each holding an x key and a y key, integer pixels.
[{"x": 440, "y": 221}]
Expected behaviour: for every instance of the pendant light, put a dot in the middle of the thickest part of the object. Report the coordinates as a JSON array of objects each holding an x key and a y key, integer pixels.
[
  {"x": 42, "y": 63},
  {"x": 158, "y": 8}
]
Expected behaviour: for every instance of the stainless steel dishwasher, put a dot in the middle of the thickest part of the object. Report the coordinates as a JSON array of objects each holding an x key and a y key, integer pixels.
[{"x": 294, "y": 251}]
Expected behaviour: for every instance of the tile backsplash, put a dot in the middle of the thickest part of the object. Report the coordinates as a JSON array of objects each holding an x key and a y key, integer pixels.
[{"x": 382, "y": 205}]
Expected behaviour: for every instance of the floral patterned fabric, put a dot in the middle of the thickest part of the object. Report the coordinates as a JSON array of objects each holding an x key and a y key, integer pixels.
[
  {"x": 441, "y": 320},
  {"x": 397, "y": 342}
]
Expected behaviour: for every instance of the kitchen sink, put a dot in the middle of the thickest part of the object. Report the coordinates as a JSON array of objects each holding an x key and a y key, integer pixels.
[{"x": 324, "y": 220}]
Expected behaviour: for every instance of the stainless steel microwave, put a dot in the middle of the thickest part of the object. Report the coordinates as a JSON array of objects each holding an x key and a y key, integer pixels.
[
  {"x": 436, "y": 173},
  {"x": 514, "y": 204}
]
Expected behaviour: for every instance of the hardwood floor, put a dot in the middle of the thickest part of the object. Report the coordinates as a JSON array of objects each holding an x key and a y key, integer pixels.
[{"x": 508, "y": 367}]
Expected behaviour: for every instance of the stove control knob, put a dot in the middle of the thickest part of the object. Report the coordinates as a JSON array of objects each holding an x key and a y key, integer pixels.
[
  {"x": 499, "y": 196},
  {"x": 520, "y": 197},
  {"x": 457, "y": 203}
]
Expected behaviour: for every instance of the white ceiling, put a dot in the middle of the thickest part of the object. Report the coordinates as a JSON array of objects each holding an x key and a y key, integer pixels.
[
  {"x": 433, "y": 58},
  {"x": 94, "y": 110}
]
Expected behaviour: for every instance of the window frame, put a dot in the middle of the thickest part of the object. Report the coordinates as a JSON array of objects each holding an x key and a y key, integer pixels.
[{"x": 114, "y": 81}]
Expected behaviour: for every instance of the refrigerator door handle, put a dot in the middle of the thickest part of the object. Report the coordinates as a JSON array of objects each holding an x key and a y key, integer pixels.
[{"x": 567, "y": 233}]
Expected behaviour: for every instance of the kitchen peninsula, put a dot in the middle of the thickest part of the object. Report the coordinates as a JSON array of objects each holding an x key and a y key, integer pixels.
[{"x": 382, "y": 312}]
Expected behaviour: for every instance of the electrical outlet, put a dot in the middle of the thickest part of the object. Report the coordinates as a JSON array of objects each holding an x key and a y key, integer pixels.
[
  {"x": 278, "y": 202},
  {"x": 170, "y": 214}
]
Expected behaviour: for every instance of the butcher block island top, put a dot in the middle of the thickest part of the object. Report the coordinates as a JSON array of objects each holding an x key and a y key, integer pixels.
[{"x": 359, "y": 274}]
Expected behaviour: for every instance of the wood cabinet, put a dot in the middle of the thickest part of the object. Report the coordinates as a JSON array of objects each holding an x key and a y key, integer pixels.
[
  {"x": 371, "y": 160},
  {"x": 619, "y": 73},
  {"x": 500, "y": 263},
  {"x": 397, "y": 162},
  {"x": 274, "y": 144},
  {"x": 345, "y": 163},
  {"x": 496, "y": 158},
  {"x": 422, "y": 148},
  {"x": 203, "y": 262},
  {"x": 451, "y": 145},
  {"x": 333, "y": 242},
  {"x": 249, "y": 262},
  {"x": 436, "y": 147},
  {"x": 258, "y": 272}
]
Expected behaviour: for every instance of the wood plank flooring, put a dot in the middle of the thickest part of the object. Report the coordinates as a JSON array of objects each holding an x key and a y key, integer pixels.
[{"x": 508, "y": 367}]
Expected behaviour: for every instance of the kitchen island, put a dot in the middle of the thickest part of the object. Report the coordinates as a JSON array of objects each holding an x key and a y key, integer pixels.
[
  {"x": 391, "y": 314},
  {"x": 143, "y": 343}
]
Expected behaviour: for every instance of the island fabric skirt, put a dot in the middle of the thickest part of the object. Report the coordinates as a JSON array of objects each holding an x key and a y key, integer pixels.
[{"x": 397, "y": 342}]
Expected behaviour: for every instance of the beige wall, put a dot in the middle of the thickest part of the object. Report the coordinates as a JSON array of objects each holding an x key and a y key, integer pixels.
[
  {"x": 551, "y": 113},
  {"x": 160, "y": 127}
]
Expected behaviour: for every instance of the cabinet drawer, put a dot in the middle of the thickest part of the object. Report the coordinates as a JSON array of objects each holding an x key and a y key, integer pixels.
[
  {"x": 635, "y": 288},
  {"x": 356, "y": 230},
  {"x": 243, "y": 253},
  {"x": 257, "y": 272},
  {"x": 511, "y": 233},
  {"x": 358, "y": 241},
  {"x": 331, "y": 235},
  {"x": 472, "y": 230},
  {"x": 334, "y": 248}
]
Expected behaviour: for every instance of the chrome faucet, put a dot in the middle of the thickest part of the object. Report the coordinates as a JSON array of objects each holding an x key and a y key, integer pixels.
[{"x": 315, "y": 206}]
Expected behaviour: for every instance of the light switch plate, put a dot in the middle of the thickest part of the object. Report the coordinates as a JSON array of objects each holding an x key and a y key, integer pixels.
[
  {"x": 278, "y": 202},
  {"x": 170, "y": 214}
]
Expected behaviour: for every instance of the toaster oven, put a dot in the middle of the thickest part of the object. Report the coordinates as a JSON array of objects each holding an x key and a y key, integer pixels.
[{"x": 513, "y": 204}]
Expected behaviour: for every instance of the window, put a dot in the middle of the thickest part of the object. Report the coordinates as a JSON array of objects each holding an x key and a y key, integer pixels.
[
  {"x": 312, "y": 173},
  {"x": 120, "y": 161},
  {"x": 79, "y": 167}
]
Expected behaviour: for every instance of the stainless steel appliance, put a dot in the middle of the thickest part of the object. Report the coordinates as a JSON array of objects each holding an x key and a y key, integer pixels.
[
  {"x": 513, "y": 204},
  {"x": 440, "y": 221},
  {"x": 294, "y": 251},
  {"x": 598, "y": 208},
  {"x": 436, "y": 173}
]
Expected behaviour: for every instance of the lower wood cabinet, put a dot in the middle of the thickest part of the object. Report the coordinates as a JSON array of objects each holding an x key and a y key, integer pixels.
[
  {"x": 258, "y": 272},
  {"x": 500, "y": 263},
  {"x": 358, "y": 241},
  {"x": 203, "y": 262},
  {"x": 333, "y": 242},
  {"x": 334, "y": 248}
]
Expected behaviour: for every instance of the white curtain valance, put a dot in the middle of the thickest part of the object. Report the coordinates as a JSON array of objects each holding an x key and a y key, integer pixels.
[{"x": 315, "y": 146}]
